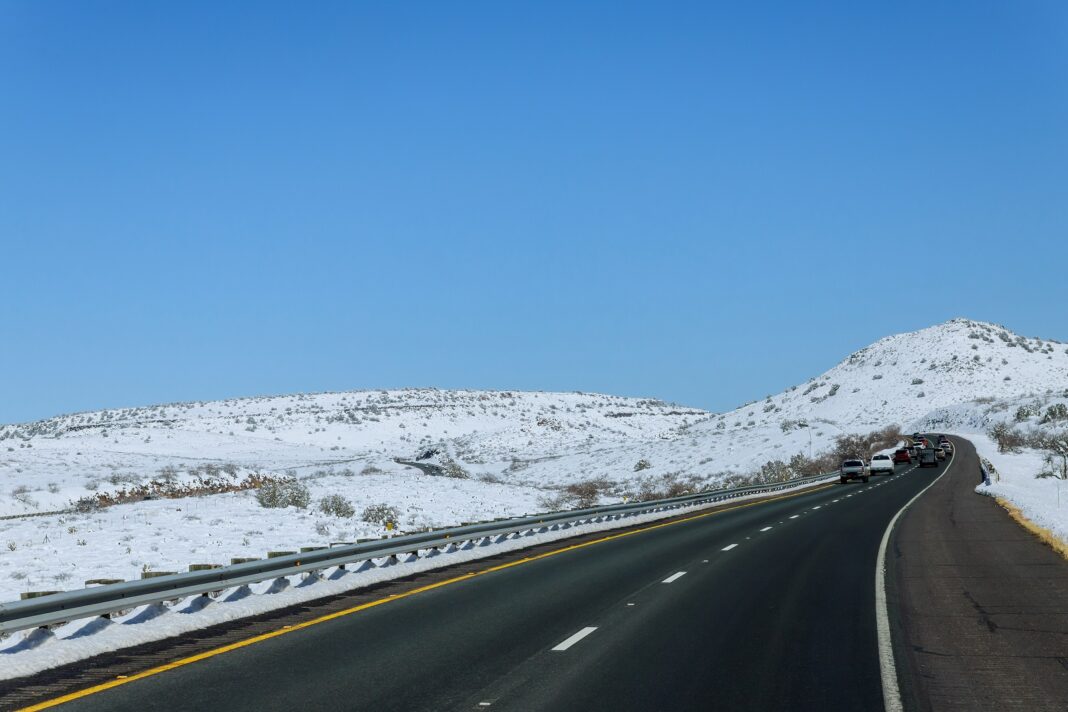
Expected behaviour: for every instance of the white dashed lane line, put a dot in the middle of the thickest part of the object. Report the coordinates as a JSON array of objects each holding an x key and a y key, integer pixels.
[
  {"x": 573, "y": 639},
  {"x": 674, "y": 577},
  {"x": 765, "y": 529},
  {"x": 729, "y": 547},
  {"x": 795, "y": 516}
]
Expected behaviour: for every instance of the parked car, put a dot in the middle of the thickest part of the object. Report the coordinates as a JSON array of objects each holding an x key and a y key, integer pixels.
[
  {"x": 928, "y": 457},
  {"x": 881, "y": 464},
  {"x": 853, "y": 470},
  {"x": 903, "y": 455}
]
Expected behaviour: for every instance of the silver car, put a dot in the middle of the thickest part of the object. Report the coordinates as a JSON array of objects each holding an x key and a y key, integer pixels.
[{"x": 853, "y": 470}]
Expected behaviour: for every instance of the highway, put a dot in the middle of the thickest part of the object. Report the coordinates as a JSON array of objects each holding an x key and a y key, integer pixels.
[{"x": 761, "y": 606}]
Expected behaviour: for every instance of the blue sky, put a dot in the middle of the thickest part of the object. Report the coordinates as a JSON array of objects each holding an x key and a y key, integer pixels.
[{"x": 700, "y": 202}]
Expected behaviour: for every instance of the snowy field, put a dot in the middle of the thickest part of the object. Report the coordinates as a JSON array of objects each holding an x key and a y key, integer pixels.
[{"x": 161, "y": 487}]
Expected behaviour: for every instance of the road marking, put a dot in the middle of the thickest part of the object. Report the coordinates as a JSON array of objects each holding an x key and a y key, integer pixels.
[
  {"x": 573, "y": 639},
  {"x": 888, "y": 670},
  {"x": 674, "y": 577},
  {"x": 728, "y": 548},
  {"x": 630, "y": 604},
  {"x": 817, "y": 506},
  {"x": 765, "y": 529},
  {"x": 795, "y": 516},
  {"x": 189, "y": 660}
]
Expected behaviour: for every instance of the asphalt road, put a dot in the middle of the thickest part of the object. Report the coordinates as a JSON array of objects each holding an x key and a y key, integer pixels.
[
  {"x": 981, "y": 604},
  {"x": 767, "y": 606}
]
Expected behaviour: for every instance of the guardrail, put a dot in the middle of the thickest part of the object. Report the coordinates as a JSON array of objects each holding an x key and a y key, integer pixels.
[{"x": 67, "y": 606}]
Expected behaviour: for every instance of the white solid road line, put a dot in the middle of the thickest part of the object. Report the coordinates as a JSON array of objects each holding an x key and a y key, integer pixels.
[
  {"x": 728, "y": 548},
  {"x": 888, "y": 670},
  {"x": 765, "y": 529},
  {"x": 573, "y": 639},
  {"x": 674, "y": 577}
]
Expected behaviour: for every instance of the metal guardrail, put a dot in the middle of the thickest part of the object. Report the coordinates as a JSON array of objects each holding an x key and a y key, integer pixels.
[{"x": 67, "y": 606}]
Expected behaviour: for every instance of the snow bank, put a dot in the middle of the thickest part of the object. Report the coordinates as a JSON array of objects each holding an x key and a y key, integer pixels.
[{"x": 1044, "y": 501}]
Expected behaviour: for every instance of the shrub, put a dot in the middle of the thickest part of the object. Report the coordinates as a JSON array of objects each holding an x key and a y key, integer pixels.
[
  {"x": 588, "y": 492},
  {"x": 336, "y": 505},
  {"x": 380, "y": 513},
  {"x": 865, "y": 445},
  {"x": 1057, "y": 411},
  {"x": 1008, "y": 439},
  {"x": 917, "y": 381},
  {"x": 275, "y": 494},
  {"x": 642, "y": 464},
  {"x": 1056, "y": 460}
]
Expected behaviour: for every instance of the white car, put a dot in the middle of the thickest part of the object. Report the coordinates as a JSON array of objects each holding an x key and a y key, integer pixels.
[{"x": 881, "y": 465}]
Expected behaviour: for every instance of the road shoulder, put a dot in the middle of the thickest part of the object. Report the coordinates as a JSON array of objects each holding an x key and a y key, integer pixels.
[{"x": 979, "y": 607}]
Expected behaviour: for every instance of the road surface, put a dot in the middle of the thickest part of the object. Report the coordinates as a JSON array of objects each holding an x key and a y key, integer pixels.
[{"x": 760, "y": 607}]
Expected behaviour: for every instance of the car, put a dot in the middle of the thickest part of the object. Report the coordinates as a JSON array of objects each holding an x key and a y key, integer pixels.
[
  {"x": 917, "y": 437},
  {"x": 881, "y": 464},
  {"x": 942, "y": 439},
  {"x": 853, "y": 470},
  {"x": 940, "y": 454},
  {"x": 903, "y": 455},
  {"x": 928, "y": 457},
  {"x": 947, "y": 447}
]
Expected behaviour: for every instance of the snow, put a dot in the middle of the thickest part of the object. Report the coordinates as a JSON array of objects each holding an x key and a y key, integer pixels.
[{"x": 516, "y": 451}]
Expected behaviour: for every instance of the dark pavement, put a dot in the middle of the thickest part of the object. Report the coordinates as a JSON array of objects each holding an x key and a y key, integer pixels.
[
  {"x": 982, "y": 607},
  {"x": 783, "y": 620}
]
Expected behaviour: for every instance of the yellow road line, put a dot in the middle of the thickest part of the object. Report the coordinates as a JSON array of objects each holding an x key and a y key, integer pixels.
[{"x": 378, "y": 602}]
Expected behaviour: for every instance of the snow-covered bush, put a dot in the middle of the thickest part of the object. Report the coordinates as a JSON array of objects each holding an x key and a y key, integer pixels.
[
  {"x": 1055, "y": 412},
  {"x": 453, "y": 469},
  {"x": 1024, "y": 412},
  {"x": 642, "y": 464},
  {"x": 336, "y": 505},
  {"x": 275, "y": 494},
  {"x": 380, "y": 513}
]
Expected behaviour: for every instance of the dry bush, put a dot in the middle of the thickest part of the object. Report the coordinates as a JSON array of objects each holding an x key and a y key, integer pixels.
[
  {"x": 864, "y": 445},
  {"x": 168, "y": 489},
  {"x": 588, "y": 492},
  {"x": 1009, "y": 439}
]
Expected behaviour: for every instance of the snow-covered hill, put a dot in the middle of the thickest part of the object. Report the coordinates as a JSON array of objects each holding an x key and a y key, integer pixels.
[{"x": 509, "y": 453}]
